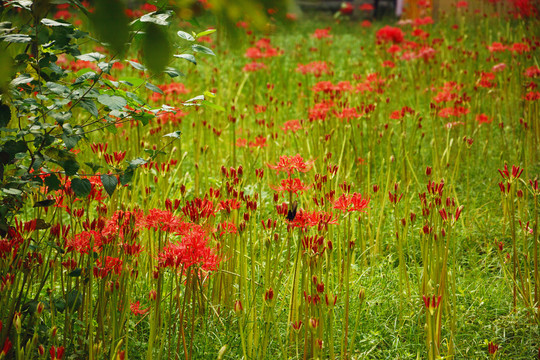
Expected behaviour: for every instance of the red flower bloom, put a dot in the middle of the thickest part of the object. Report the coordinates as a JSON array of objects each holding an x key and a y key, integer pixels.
[
  {"x": 321, "y": 33},
  {"x": 483, "y": 119},
  {"x": 290, "y": 164},
  {"x": 291, "y": 125},
  {"x": 135, "y": 309},
  {"x": 192, "y": 250},
  {"x": 390, "y": 34},
  {"x": 291, "y": 185},
  {"x": 316, "y": 68}
]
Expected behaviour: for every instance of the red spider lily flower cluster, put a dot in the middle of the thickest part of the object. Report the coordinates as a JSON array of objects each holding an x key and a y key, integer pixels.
[
  {"x": 493, "y": 348},
  {"x": 111, "y": 265},
  {"x": 432, "y": 304},
  {"x": 389, "y": 34},
  {"x": 291, "y": 186},
  {"x": 254, "y": 67},
  {"x": 346, "y": 8},
  {"x": 191, "y": 251},
  {"x": 354, "y": 202},
  {"x": 291, "y": 125},
  {"x": 509, "y": 177},
  {"x": 136, "y": 308},
  {"x": 318, "y": 219},
  {"x": 317, "y": 68},
  {"x": 263, "y": 49},
  {"x": 291, "y": 164},
  {"x": 483, "y": 119},
  {"x": 57, "y": 353},
  {"x": 322, "y": 33}
]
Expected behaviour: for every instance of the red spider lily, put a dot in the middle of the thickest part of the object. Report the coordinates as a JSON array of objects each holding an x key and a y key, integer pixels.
[
  {"x": 496, "y": 47},
  {"x": 227, "y": 228},
  {"x": 136, "y": 310},
  {"x": 5, "y": 349},
  {"x": 198, "y": 209},
  {"x": 348, "y": 114},
  {"x": 291, "y": 125},
  {"x": 516, "y": 172},
  {"x": 346, "y": 8},
  {"x": 366, "y": 7},
  {"x": 462, "y": 5},
  {"x": 365, "y": 23},
  {"x": 532, "y": 72},
  {"x": 353, "y": 202},
  {"x": 433, "y": 303},
  {"x": 519, "y": 48},
  {"x": 498, "y": 67},
  {"x": 111, "y": 265},
  {"x": 321, "y": 33},
  {"x": 532, "y": 96},
  {"x": 57, "y": 353},
  {"x": 254, "y": 67},
  {"x": 493, "y": 348},
  {"x": 319, "y": 219},
  {"x": 163, "y": 220},
  {"x": 291, "y": 164},
  {"x": 313, "y": 244},
  {"x": 389, "y": 34},
  {"x": 191, "y": 251},
  {"x": 238, "y": 308},
  {"x": 260, "y": 142},
  {"x": 483, "y": 119},
  {"x": 81, "y": 242},
  {"x": 524, "y": 8},
  {"x": 317, "y": 68},
  {"x": 291, "y": 186},
  {"x": 228, "y": 205}
]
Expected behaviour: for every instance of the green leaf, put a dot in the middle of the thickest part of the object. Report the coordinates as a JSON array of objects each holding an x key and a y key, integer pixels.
[
  {"x": 75, "y": 273},
  {"x": 5, "y": 115},
  {"x": 61, "y": 117},
  {"x": 156, "y": 48},
  {"x": 93, "y": 56},
  {"x": 57, "y": 89},
  {"x": 112, "y": 102},
  {"x": 81, "y": 187},
  {"x": 87, "y": 75},
  {"x": 136, "y": 65},
  {"x": 22, "y": 79},
  {"x": 213, "y": 106},
  {"x": 126, "y": 176},
  {"x": 154, "y": 18},
  {"x": 44, "y": 203},
  {"x": 133, "y": 81},
  {"x": 49, "y": 22},
  {"x": 172, "y": 72},
  {"x": 16, "y": 38},
  {"x": 52, "y": 183},
  {"x": 184, "y": 35},
  {"x": 74, "y": 299},
  {"x": 111, "y": 23},
  {"x": 205, "y": 32},
  {"x": 202, "y": 49},
  {"x": 89, "y": 106},
  {"x": 187, "y": 57},
  {"x": 12, "y": 191},
  {"x": 70, "y": 167},
  {"x": 135, "y": 163},
  {"x": 154, "y": 88},
  {"x": 175, "y": 134},
  {"x": 70, "y": 141},
  {"x": 109, "y": 183}
]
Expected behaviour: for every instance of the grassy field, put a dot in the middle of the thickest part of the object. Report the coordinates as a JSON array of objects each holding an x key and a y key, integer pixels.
[{"x": 355, "y": 189}]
